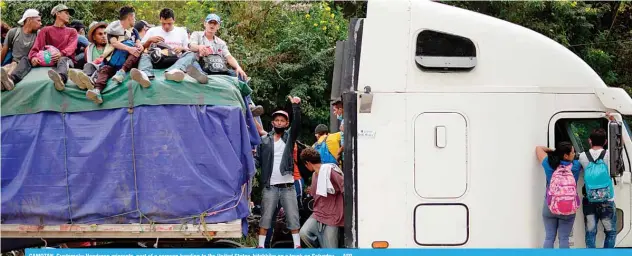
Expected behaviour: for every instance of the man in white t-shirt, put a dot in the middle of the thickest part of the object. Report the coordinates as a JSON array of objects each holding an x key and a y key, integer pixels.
[
  {"x": 176, "y": 38},
  {"x": 206, "y": 43},
  {"x": 274, "y": 157},
  {"x": 604, "y": 211}
]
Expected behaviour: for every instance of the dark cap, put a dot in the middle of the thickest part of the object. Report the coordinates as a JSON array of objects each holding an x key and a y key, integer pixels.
[
  {"x": 142, "y": 24},
  {"x": 77, "y": 25},
  {"x": 321, "y": 128}
]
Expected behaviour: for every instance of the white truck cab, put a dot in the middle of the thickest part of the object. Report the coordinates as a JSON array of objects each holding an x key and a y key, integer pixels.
[{"x": 443, "y": 110}]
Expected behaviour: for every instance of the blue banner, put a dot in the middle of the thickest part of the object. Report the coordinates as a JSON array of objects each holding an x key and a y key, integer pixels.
[{"x": 325, "y": 252}]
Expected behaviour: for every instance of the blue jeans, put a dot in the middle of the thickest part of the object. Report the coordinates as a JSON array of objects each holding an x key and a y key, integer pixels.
[
  {"x": 314, "y": 233},
  {"x": 145, "y": 65},
  {"x": 557, "y": 225},
  {"x": 272, "y": 196},
  {"x": 607, "y": 213}
]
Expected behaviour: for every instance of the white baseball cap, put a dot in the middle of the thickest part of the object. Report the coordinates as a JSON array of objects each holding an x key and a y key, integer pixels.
[{"x": 29, "y": 13}]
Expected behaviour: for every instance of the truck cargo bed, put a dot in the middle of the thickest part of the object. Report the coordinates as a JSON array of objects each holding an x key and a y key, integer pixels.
[{"x": 169, "y": 170}]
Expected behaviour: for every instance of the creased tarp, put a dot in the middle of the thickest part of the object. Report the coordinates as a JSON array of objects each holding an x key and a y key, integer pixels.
[
  {"x": 188, "y": 159},
  {"x": 36, "y": 93}
]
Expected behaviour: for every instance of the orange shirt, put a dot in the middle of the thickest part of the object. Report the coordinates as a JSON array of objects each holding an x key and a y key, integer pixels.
[{"x": 297, "y": 174}]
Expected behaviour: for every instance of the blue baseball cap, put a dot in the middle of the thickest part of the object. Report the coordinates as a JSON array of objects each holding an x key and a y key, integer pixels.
[{"x": 212, "y": 17}]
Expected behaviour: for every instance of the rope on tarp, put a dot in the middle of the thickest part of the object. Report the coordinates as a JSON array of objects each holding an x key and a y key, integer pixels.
[
  {"x": 142, "y": 217},
  {"x": 65, "y": 138},
  {"x": 130, "y": 111}
]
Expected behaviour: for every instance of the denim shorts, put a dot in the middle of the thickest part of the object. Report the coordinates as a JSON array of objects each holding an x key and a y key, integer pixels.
[{"x": 272, "y": 196}]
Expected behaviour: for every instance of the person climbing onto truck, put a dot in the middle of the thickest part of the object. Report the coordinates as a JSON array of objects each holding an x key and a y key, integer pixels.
[
  {"x": 327, "y": 145},
  {"x": 327, "y": 188},
  {"x": 93, "y": 55},
  {"x": 561, "y": 200},
  {"x": 19, "y": 42},
  {"x": 598, "y": 190},
  {"x": 167, "y": 47},
  {"x": 58, "y": 36},
  {"x": 274, "y": 157},
  {"x": 122, "y": 54}
]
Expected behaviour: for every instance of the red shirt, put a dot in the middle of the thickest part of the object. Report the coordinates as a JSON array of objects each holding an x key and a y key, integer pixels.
[
  {"x": 329, "y": 210},
  {"x": 64, "y": 39}
]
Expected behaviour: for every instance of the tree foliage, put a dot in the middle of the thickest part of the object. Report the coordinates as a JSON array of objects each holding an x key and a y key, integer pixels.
[{"x": 598, "y": 32}]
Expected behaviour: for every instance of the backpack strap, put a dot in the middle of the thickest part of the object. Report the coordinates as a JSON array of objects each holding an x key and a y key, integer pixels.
[
  {"x": 589, "y": 156},
  {"x": 602, "y": 155},
  {"x": 12, "y": 36},
  {"x": 591, "y": 159}
]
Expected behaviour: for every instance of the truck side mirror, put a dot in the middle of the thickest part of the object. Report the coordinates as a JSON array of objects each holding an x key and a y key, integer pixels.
[{"x": 615, "y": 146}]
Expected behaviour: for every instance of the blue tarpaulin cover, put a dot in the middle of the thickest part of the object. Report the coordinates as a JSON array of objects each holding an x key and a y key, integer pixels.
[{"x": 161, "y": 164}]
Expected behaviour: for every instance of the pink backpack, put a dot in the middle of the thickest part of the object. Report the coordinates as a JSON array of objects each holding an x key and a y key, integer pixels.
[
  {"x": 561, "y": 195},
  {"x": 45, "y": 56}
]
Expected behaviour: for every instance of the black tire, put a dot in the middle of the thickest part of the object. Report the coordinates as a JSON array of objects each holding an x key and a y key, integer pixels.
[
  {"x": 283, "y": 244},
  {"x": 223, "y": 243}
]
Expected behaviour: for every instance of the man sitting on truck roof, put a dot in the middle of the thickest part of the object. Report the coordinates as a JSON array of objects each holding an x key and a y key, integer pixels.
[
  {"x": 274, "y": 156},
  {"x": 327, "y": 188},
  {"x": 61, "y": 37},
  {"x": 605, "y": 211},
  {"x": 93, "y": 55},
  {"x": 19, "y": 42},
  {"x": 206, "y": 43},
  {"x": 167, "y": 35}
]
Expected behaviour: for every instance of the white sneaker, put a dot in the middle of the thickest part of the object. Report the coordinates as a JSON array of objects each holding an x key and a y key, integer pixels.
[
  {"x": 119, "y": 76},
  {"x": 73, "y": 75},
  {"x": 94, "y": 95},
  {"x": 140, "y": 77},
  {"x": 175, "y": 75},
  {"x": 57, "y": 81}
]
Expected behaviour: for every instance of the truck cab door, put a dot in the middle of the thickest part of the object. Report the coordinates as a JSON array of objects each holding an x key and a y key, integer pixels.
[{"x": 576, "y": 128}]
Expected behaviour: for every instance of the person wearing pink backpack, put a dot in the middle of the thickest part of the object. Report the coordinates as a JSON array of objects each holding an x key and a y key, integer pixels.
[{"x": 561, "y": 200}]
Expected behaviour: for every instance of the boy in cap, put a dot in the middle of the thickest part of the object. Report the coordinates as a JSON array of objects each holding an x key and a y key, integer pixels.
[
  {"x": 121, "y": 54},
  {"x": 19, "y": 41},
  {"x": 62, "y": 38},
  {"x": 142, "y": 26}
]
